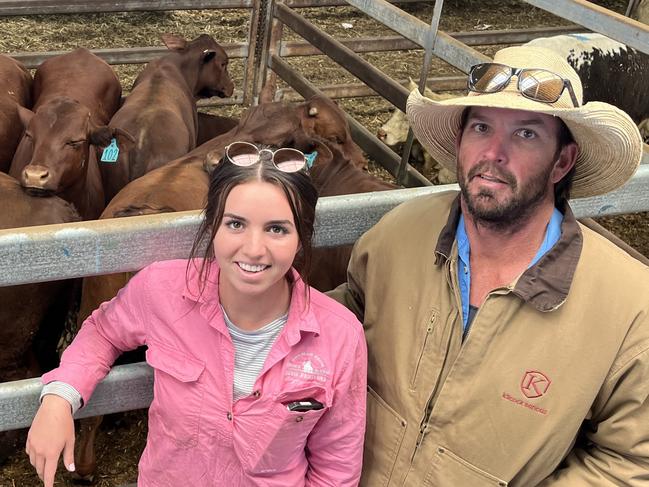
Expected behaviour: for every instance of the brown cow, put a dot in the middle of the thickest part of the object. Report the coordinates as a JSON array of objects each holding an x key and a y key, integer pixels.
[
  {"x": 160, "y": 112},
  {"x": 323, "y": 117},
  {"x": 334, "y": 174},
  {"x": 16, "y": 90},
  {"x": 32, "y": 315},
  {"x": 210, "y": 126},
  {"x": 75, "y": 96}
]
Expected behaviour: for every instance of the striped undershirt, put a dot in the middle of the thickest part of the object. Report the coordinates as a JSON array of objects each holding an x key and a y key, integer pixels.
[{"x": 250, "y": 351}]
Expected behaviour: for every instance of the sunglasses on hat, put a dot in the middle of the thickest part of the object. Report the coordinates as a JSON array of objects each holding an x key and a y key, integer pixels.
[
  {"x": 533, "y": 83},
  {"x": 285, "y": 159}
]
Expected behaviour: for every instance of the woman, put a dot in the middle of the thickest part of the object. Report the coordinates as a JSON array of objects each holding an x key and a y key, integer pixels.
[{"x": 259, "y": 380}]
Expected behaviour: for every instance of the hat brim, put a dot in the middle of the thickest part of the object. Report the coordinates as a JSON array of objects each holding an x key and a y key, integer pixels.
[{"x": 610, "y": 145}]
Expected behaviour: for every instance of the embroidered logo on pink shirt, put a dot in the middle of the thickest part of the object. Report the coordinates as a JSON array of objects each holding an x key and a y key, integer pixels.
[{"x": 309, "y": 366}]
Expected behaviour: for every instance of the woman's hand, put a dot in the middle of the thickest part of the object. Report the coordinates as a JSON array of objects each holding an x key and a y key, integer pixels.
[{"x": 52, "y": 431}]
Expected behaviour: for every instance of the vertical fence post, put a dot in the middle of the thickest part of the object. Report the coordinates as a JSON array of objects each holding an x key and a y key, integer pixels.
[
  {"x": 431, "y": 37},
  {"x": 264, "y": 9},
  {"x": 269, "y": 84}
]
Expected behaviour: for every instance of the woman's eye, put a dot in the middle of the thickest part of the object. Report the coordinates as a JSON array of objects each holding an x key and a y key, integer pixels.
[
  {"x": 234, "y": 224},
  {"x": 277, "y": 229}
]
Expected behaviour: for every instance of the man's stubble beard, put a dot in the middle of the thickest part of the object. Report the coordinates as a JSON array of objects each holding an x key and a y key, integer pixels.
[{"x": 485, "y": 208}]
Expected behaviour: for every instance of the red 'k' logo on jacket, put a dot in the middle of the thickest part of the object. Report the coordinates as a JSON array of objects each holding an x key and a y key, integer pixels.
[{"x": 534, "y": 384}]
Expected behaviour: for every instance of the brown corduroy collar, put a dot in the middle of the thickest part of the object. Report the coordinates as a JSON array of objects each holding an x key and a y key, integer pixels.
[{"x": 546, "y": 284}]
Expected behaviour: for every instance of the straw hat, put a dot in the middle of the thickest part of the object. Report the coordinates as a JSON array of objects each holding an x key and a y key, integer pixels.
[{"x": 610, "y": 145}]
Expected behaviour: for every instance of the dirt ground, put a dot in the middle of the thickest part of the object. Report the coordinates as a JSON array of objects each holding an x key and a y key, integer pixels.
[{"x": 122, "y": 436}]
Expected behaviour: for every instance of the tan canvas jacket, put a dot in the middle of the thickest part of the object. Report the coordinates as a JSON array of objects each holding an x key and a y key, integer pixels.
[{"x": 551, "y": 385}]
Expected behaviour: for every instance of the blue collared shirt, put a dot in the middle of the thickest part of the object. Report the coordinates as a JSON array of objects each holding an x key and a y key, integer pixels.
[{"x": 552, "y": 234}]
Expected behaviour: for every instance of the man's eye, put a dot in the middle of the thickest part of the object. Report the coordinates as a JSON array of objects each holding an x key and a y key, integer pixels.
[
  {"x": 527, "y": 133},
  {"x": 480, "y": 127}
]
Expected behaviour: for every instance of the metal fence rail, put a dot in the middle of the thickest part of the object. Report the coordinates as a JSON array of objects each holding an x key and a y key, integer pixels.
[
  {"x": 37, "y": 254},
  {"x": 88, "y": 248}
]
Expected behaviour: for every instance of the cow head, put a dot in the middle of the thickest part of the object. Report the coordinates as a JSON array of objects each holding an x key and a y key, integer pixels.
[
  {"x": 276, "y": 124},
  {"x": 206, "y": 63},
  {"x": 321, "y": 117},
  {"x": 59, "y": 134}
]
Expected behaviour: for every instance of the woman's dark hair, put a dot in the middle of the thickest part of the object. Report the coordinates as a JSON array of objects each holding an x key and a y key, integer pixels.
[{"x": 302, "y": 197}]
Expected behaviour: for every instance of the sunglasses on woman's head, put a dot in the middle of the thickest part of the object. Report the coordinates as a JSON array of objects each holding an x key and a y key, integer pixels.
[
  {"x": 534, "y": 83},
  {"x": 286, "y": 159}
]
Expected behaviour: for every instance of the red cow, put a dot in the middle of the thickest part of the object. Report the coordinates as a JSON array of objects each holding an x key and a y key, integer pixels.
[
  {"x": 334, "y": 174},
  {"x": 160, "y": 112},
  {"x": 210, "y": 126},
  {"x": 32, "y": 315},
  {"x": 323, "y": 117},
  {"x": 15, "y": 91},
  {"x": 75, "y": 96}
]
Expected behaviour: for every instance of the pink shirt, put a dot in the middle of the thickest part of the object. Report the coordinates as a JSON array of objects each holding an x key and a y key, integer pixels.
[{"x": 197, "y": 436}]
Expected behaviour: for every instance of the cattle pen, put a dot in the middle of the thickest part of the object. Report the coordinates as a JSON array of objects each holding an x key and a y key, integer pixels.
[{"x": 38, "y": 254}]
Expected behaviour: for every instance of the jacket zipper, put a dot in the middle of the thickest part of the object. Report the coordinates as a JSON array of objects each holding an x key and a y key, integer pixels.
[{"x": 498, "y": 290}]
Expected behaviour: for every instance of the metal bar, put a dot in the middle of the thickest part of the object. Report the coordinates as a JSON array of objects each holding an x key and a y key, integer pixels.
[
  {"x": 252, "y": 63},
  {"x": 398, "y": 43},
  {"x": 37, "y": 7},
  {"x": 330, "y": 3},
  {"x": 617, "y": 26},
  {"x": 629, "y": 7},
  {"x": 125, "y": 388},
  {"x": 269, "y": 90},
  {"x": 367, "y": 141},
  {"x": 428, "y": 57},
  {"x": 137, "y": 55},
  {"x": 373, "y": 77},
  {"x": 447, "y": 48},
  {"x": 356, "y": 90},
  {"x": 43, "y": 253},
  {"x": 235, "y": 99},
  {"x": 238, "y": 50}
]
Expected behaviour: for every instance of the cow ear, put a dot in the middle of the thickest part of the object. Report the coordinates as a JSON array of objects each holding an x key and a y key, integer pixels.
[
  {"x": 25, "y": 115},
  {"x": 174, "y": 42},
  {"x": 100, "y": 136},
  {"x": 325, "y": 155},
  {"x": 125, "y": 141},
  {"x": 212, "y": 160},
  {"x": 208, "y": 56}
]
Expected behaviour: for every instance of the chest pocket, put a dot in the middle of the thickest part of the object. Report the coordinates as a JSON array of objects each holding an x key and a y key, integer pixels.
[
  {"x": 283, "y": 438},
  {"x": 423, "y": 359},
  {"x": 177, "y": 394}
]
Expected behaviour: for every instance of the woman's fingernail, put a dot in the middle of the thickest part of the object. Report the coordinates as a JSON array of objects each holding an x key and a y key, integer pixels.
[{"x": 71, "y": 467}]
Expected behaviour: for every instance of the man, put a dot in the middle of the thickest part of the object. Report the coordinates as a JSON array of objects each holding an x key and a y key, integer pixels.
[{"x": 508, "y": 344}]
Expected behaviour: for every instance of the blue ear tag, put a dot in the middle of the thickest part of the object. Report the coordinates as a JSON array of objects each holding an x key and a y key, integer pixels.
[
  {"x": 310, "y": 158},
  {"x": 111, "y": 152}
]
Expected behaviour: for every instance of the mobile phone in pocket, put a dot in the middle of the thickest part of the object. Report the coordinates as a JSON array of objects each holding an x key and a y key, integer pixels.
[{"x": 302, "y": 405}]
